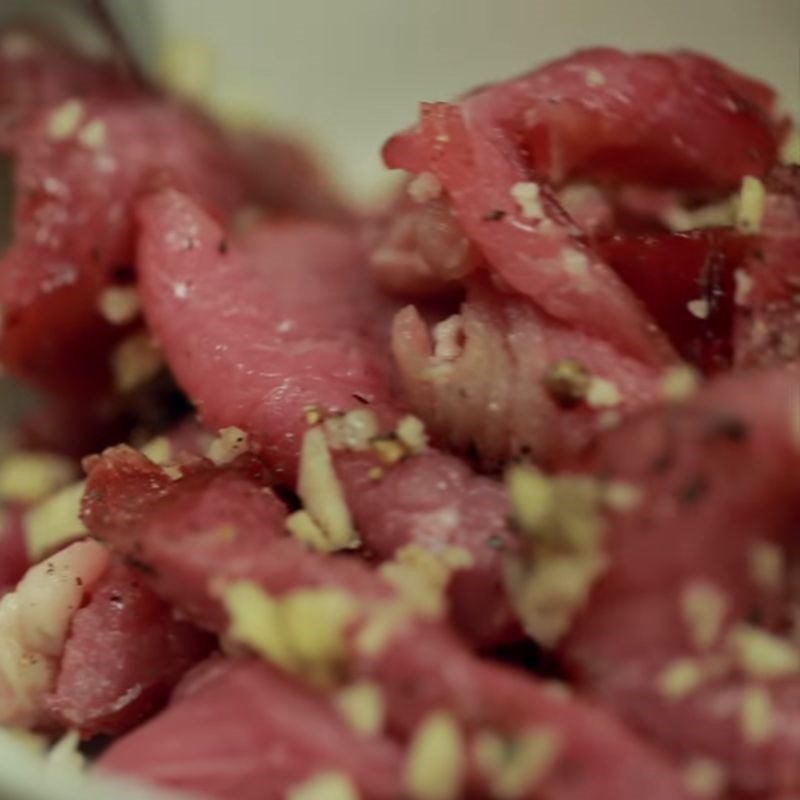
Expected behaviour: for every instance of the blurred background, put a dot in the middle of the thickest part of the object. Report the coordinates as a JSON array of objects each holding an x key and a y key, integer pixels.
[
  {"x": 348, "y": 73},
  {"x": 344, "y": 74}
]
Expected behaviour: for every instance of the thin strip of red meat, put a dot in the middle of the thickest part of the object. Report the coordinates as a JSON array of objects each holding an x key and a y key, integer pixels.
[
  {"x": 173, "y": 529},
  {"x": 241, "y": 730},
  {"x": 124, "y": 653},
  {"x": 690, "y": 632},
  {"x": 261, "y": 338},
  {"x": 672, "y": 119}
]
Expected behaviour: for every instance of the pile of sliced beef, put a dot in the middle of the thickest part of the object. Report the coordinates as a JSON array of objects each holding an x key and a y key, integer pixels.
[{"x": 494, "y": 494}]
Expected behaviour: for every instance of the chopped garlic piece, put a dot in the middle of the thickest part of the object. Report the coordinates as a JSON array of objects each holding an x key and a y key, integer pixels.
[
  {"x": 64, "y": 119},
  {"x": 26, "y": 476},
  {"x": 594, "y": 78},
  {"x": 421, "y": 576},
  {"x": 362, "y": 705},
  {"x": 158, "y": 450},
  {"x": 790, "y": 152},
  {"x": 227, "y": 446},
  {"x": 424, "y": 188},
  {"x": 411, "y": 432},
  {"x": 532, "y": 496},
  {"x": 699, "y": 308},
  {"x": 93, "y": 135},
  {"x": 703, "y": 606},
  {"x": 514, "y": 766},
  {"x": 255, "y": 622},
  {"x": 64, "y": 755},
  {"x": 622, "y": 496},
  {"x": 680, "y": 383},
  {"x": 389, "y": 449},
  {"x": 767, "y": 566},
  {"x": 322, "y": 494},
  {"x": 54, "y": 522},
  {"x": 762, "y": 655},
  {"x": 603, "y": 393},
  {"x": 351, "y": 431},
  {"x": 550, "y": 581},
  {"x": 435, "y": 769},
  {"x": 750, "y": 210},
  {"x": 679, "y": 678},
  {"x": 705, "y": 777},
  {"x": 135, "y": 361},
  {"x": 302, "y": 526},
  {"x": 528, "y": 197},
  {"x": 382, "y": 624},
  {"x": 325, "y": 786},
  {"x": 302, "y": 631},
  {"x": 187, "y": 66},
  {"x": 119, "y": 304},
  {"x": 756, "y": 716},
  {"x": 575, "y": 262}
]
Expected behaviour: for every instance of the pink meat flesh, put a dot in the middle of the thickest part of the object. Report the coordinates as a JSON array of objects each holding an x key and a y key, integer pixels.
[
  {"x": 171, "y": 523},
  {"x": 240, "y": 730},
  {"x": 124, "y": 653},
  {"x": 719, "y": 475},
  {"x": 257, "y": 338}
]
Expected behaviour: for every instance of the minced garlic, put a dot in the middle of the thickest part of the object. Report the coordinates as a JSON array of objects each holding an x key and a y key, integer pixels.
[
  {"x": 761, "y": 654},
  {"x": 527, "y": 195},
  {"x": 436, "y": 763},
  {"x": 756, "y": 716},
  {"x": 325, "y": 786},
  {"x": 513, "y": 766},
  {"x": 703, "y": 606},
  {"x": 411, "y": 432},
  {"x": 363, "y": 706},
  {"x": 790, "y": 151},
  {"x": 321, "y": 492},
  {"x": 93, "y": 135},
  {"x": 680, "y": 678},
  {"x": 750, "y": 208},
  {"x": 302, "y": 526},
  {"x": 351, "y": 431},
  {"x": 27, "y": 476},
  {"x": 119, "y": 305},
  {"x": 54, "y": 522},
  {"x": 229, "y": 444},
  {"x": 550, "y": 580},
  {"x": 767, "y": 566},
  {"x": 301, "y": 631},
  {"x": 135, "y": 361},
  {"x": 603, "y": 393},
  {"x": 699, "y": 308},
  {"x": 421, "y": 575},
  {"x": 679, "y": 383},
  {"x": 64, "y": 119}
]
